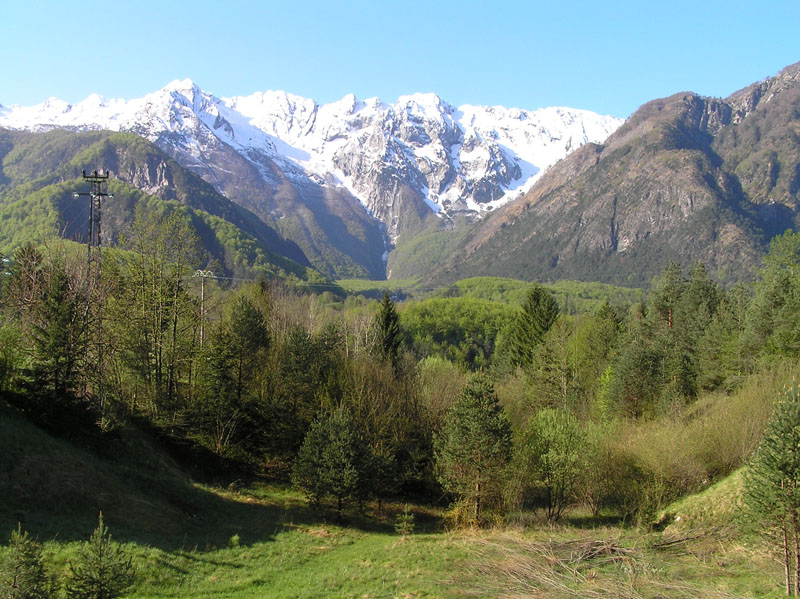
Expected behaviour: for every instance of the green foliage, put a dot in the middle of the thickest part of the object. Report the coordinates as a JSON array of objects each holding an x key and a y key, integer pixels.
[
  {"x": 333, "y": 461},
  {"x": 23, "y": 576},
  {"x": 473, "y": 448},
  {"x": 613, "y": 479},
  {"x": 102, "y": 570},
  {"x": 416, "y": 255},
  {"x": 152, "y": 314},
  {"x": 48, "y": 303},
  {"x": 773, "y": 323},
  {"x": 659, "y": 365},
  {"x": 306, "y": 379},
  {"x": 552, "y": 456},
  {"x": 404, "y": 523},
  {"x": 772, "y": 482},
  {"x": 12, "y": 355},
  {"x": 573, "y": 297},
  {"x": 537, "y": 315},
  {"x": 249, "y": 339},
  {"x": 388, "y": 336},
  {"x": 58, "y": 328},
  {"x": 464, "y": 331}
]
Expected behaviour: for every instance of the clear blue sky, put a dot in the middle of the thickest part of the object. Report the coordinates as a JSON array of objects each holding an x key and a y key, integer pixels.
[{"x": 607, "y": 56}]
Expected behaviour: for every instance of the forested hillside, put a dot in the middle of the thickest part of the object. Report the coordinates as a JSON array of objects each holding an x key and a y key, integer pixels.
[
  {"x": 39, "y": 173},
  {"x": 493, "y": 401},
  {"x": 245, "y": 371}
]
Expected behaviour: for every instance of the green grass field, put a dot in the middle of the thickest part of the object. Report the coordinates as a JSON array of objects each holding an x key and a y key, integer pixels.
[{"x": 263, "y": 541}]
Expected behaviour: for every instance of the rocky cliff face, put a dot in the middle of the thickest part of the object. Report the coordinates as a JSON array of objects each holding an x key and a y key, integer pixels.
[{"x": 686, "y": 178}]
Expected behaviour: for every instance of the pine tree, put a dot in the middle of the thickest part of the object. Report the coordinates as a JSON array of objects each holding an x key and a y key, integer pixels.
[
  {"x": 58, "y": 329},
  {"x": 474, "y": 446},
  {"x": 249, "y": 336},
  {"x": 772, "y": 482},
  {"x": 333, "y": 461},
  {"x": 389, "y": 336},
  {"x": 103, "y": 571},
  {"x": 538, "y": 314},
  {"x": 23, "y": 575}
]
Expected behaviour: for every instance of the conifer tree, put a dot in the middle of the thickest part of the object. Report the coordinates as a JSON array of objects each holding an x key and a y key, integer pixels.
[
  {"x": 389, "y": 336},
  {"x": 538, "y": 314},
  {"x": 333, "y": 461},
  {"x": 103, "y": 571},
  {"x": 772, "y": 483},
  {"x": 474, "y": 446},
  {"x": 23, "y": 575},
  {"x": 249, "y": 335}
]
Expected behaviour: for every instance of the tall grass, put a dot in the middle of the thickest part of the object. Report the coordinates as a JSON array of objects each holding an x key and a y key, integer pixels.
[{"x": 692, "y": 448}]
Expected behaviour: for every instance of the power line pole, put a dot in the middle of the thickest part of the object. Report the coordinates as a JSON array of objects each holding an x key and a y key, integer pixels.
[
  {"x": 94, "y": 268},
  {"x": 203, "y": 275}
]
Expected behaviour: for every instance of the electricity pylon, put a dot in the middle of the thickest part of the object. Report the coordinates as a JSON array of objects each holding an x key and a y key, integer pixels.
[{"x": 94, "y": 268}]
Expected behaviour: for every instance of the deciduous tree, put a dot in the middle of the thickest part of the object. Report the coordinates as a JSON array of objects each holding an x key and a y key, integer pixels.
[{"x": 552, "y": 455}]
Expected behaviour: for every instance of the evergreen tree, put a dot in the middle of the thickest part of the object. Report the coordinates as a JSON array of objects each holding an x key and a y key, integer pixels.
[
  {"x": 474, "y": 447},
  {"x": 553, "y": 369},
  {"x": 389, "y": 337},
  {"x": 307, "y": 380},
  {"x": 249, "y": 337},
  {"x": 772, "y": 482},
  {"x": 58, "y": 332},
  {"x": 774, "y": 315},
  {"x": 23, "y": 575},
  {"x": 103, "y": 571},
  {"x": 218, "y": 410},
  {"x": 538, "y": 313},
  {"x": 333, "y": 461}
]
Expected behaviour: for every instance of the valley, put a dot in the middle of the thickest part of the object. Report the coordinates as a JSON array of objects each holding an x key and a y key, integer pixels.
[{"x": 403, "y": 350}]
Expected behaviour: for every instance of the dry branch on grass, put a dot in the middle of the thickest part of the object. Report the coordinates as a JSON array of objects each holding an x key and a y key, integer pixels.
[{"x": 508, "y": 567}]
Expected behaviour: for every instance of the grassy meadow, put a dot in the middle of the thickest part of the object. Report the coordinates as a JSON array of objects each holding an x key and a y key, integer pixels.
[{"x": 261, "y": 540}]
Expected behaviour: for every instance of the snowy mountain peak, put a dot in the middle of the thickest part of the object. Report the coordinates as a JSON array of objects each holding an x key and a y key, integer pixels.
[
  {"x": 464, "y": 160},
  {"x": 181, "y": 86}
]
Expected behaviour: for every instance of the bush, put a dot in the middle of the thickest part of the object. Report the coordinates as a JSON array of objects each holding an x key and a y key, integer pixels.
[{"x": 552, "y": 456}]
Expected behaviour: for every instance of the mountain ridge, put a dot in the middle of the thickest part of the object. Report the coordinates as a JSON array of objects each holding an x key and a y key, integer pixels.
[
  {"x": 686, "y": 178},
  {"x": 343, "y": 180}
]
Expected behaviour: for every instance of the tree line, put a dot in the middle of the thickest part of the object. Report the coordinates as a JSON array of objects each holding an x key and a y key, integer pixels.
[{"x": 493, "y": 408}]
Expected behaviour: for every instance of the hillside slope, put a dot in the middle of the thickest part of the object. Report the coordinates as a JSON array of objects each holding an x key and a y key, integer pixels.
[
  {"x": 686, "y": 178},
  {"x": 40, "y": 172}
]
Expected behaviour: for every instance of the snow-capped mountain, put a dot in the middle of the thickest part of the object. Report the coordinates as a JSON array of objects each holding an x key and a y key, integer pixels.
[{"x": 403, "y": 162}]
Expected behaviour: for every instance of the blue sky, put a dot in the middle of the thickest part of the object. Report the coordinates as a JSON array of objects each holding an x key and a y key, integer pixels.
[{"x": 609, "y": 57}]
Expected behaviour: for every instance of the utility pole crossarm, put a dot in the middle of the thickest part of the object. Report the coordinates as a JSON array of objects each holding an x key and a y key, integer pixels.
[{"x": 203, "y": 275}]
